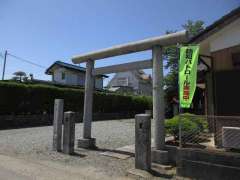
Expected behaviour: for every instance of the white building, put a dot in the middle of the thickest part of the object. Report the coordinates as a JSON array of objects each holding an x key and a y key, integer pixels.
[
  {"x": 131, "y": 81},
  {"x": 68, "y": 74},
  {"x": 220, "y": 50}
]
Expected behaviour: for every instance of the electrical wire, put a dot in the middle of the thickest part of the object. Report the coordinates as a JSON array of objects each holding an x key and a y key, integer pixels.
[{"x": 25, "y": 60}]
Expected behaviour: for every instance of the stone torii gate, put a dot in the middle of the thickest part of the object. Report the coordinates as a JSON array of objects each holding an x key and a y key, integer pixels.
[{"x": 155, "y": 44}]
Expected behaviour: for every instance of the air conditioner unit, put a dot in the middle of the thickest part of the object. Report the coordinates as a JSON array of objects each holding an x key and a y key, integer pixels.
[{"x": 231, "y": 137}]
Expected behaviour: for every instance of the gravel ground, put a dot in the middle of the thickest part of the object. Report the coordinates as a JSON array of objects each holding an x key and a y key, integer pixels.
[{"x": 36, "y": 143}]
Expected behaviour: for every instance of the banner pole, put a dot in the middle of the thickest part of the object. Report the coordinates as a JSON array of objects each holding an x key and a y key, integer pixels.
[
  {"x": 180, "y": 127},
  {"x": 179, "y": 106}
]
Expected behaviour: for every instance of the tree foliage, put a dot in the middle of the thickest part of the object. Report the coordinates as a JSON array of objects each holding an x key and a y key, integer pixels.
[
  {"x": 190, "y": 123},
  {"x": 194, "y": 27},
  {"x": 19, "y": 75},
  {"x": 171, "y": 58}
]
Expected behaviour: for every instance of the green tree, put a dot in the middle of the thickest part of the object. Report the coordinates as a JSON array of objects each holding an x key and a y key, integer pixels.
[
  {"x": 19, "y": 75},
  {"x": 171, "y": 59},
  {"x": 194, "y": 27}
]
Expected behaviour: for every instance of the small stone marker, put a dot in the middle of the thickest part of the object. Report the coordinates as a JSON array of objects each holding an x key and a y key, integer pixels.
[
  {"x": 57, "y": 124},
  {"x": 69, "y": 132},
  {"x": 143, "y": 142}
]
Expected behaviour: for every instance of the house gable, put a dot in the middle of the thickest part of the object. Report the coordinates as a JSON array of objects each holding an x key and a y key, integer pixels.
[
  {"x": 220, "y": 41},
  {"x": 69, "y": 74},
  {"x": 128, "y": 76}
]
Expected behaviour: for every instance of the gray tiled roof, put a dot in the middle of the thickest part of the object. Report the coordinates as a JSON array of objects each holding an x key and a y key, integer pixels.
[{"x": 66, "y": 65}]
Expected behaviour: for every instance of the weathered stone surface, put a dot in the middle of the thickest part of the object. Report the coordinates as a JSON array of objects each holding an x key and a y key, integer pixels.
[
  {"x": 149, "y": 112},
  {"x": 87, "y": 143},
  {"x": 88, "y": 101},
  {"x": 164, "y": 170},
  {"x": 159, "y": 156},
  {"x": 143, "y": 141},
  {"x": 115, "y": 155},
  {"x": 128, "y": 149},
  {"x": 68, "y": 133},
  {"x": 139, "y": 174},
  {"x": 208, "y": 164},
  {"x": 158, "y": 98},
  {"x": 207, "y": 171},
  {"x": 142, "y": 45},
  {"x": 57, "y": 124}
]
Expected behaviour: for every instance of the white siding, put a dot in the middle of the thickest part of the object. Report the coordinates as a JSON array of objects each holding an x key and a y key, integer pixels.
[
  {"x": 229, "y": 36},
  {"x": 99, "y": 83},
  {"x": 71, "y": 78},
  {"x": 57, "y": 75},
  {"x": 81, "y": 79},
  {"x": 74, "y": 78},
  {"x": 132, "y": 81},
  {"x": 145, "y": 88}
]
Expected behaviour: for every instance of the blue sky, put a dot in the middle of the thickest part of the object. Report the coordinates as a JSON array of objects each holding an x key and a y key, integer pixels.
[{"x": 44, "y": 31}]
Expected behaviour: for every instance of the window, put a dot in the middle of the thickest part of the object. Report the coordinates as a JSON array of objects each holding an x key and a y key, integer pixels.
[
  {"x": 123, "y": 81},
  {"x": 63, "y": 75}
]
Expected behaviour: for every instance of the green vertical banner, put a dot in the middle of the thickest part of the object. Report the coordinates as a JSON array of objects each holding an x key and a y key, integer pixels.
[{"x": 187, "y": 74}]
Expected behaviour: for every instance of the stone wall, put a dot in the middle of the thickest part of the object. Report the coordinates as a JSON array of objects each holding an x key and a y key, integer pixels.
[{"x": 208, "y": 164}]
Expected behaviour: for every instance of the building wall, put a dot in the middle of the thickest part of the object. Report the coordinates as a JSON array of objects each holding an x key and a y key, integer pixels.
[
  {"x": 223, "y": 59},
  {"x": 221, "y": 91},
  {"x": 74, "y": 78},
  {"x": 227, "y": 93},
  {"x": 81, "y": 79},
  {"x": 220, "y": 43},
  {"x": 138, "y": 87},
  {"x": 227, "y": 37},
  {"x": 132, "y": 81},
  {"x": 145, "y": 88},
  {"x": 57, "y": 75},
  {"x": 99, "y": 82}
]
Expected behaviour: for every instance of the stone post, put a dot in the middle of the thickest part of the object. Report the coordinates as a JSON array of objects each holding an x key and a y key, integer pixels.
[
  {"x": 87, "y": 141},
  {"x": 69, "y": 132},
  {"x": 158, "y": 98},
  {"x": 143, "y": 142},
  {"x": 57, "y": 124}
]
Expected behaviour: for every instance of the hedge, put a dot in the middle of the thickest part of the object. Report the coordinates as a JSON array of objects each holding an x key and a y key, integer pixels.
[
  {"x": 22, "y": 98},
  {"x": 191, "y": 124}
]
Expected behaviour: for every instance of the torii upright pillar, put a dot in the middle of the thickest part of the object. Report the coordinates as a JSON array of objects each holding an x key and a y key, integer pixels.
[
  {"x": 158, "y": 154},
  {"x": 158, "y": 98},
  {"x": 87, "y": 141}
]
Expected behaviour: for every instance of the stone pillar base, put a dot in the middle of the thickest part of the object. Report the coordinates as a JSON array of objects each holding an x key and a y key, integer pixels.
[
  {"x": 87, "y": 143},
  {"x": 159, "y": 156}
]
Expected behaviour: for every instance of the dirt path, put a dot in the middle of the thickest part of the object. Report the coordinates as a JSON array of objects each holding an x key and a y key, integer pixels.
[{"x": 21, "y": 169}]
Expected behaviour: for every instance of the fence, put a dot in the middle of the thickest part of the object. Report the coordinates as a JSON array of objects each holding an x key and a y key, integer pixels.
[{"x": 207, "y": 131}]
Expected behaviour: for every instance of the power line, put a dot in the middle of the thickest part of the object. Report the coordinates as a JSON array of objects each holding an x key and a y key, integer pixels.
[{"x": 27, "y": 61}]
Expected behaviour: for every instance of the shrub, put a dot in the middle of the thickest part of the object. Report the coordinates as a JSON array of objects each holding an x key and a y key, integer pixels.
[
  {"x": 23, "y": 98},
  {"x": 189, "y": 124}
]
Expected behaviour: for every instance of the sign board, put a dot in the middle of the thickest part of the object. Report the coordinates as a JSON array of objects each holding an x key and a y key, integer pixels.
[{"x": 187, "y": 74}]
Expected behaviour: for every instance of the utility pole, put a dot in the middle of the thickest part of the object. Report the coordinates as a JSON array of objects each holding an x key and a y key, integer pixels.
[{"x": 4, "y": 65}]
